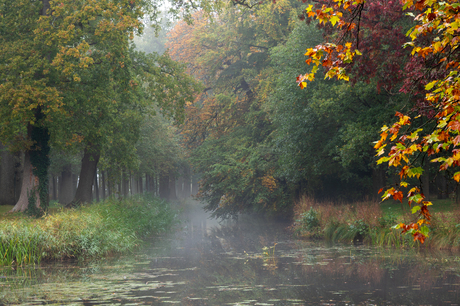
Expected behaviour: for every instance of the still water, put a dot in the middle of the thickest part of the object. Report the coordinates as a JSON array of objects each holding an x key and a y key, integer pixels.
[{"x": 244, "y": 262}]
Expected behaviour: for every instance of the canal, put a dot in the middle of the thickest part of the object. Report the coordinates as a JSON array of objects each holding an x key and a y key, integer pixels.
[{"x": 249, "y": 261}]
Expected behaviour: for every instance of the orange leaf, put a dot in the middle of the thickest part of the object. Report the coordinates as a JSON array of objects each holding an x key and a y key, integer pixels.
[
  {"x": 420, "y": 237},
  {"x": 398, "y": 196}
]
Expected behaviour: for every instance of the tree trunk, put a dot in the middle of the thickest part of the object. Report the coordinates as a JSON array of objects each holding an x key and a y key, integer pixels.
[
  {"x": 66, "y": 186},
  {"x": 134, "y": 187},
  {"x": 102, "y": 184},
  {"x": 187, "y": 182},
  {"x": 195, "y": 185},
  {"x": 18, "y": 174},
  {"x": 442, "y": 186},
  {"x": 378, "y": 181},
  {"x": 85, "y": 184},
  {"x": 164, "y": 186},
  {"x": 29, "y": 186},
  {"x": 172, "y": 186},
  {"x": 54, "y": 187},
  {"x": 141, "y": 186},
  {"x": 7, "y": 177},
  {"x": 125, "y": 184},
  {"x": 180, "y": 187},
  {"x": 109, "y": 183},
  {"x": 154, "y": 185},
  {"x": 96, "y": 186}
]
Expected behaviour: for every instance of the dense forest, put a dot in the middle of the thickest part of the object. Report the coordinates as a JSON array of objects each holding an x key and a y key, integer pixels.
[{"x": 210, "y": 93}]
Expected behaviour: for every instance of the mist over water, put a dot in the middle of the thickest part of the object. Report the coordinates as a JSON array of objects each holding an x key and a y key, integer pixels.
[{"x": 249, "y": 261}]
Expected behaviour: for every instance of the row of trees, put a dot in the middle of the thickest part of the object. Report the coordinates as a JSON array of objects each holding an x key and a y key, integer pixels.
[
  {"x": 72, "y": 83},
  {"x": 259, "y": 141}
]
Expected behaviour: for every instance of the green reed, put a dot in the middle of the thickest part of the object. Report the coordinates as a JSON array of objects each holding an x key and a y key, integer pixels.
[{"x": 100, "y": 229}]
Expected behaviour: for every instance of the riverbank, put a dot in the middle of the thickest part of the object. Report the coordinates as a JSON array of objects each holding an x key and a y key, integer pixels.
[
  {"x": 104, "y": 228},
  {"x": 371, "y": 223}
]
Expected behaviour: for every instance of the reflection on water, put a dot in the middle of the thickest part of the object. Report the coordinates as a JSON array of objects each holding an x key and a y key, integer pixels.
[{"x": 246, "y": 262}]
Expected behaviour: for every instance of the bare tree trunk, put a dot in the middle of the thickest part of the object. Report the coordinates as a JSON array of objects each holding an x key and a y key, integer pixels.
[
  {"x": 29, "y": 186},
  {"x": 88, "y": 169}
]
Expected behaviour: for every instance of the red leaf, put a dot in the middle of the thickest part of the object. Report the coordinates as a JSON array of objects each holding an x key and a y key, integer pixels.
[
  {"x": 420, "y": 237},
  {"x": 398, "y": 196}
]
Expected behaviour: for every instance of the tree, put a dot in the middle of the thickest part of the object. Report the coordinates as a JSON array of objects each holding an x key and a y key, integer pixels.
[
  {"x": 226, "y": 128},
  {"x": 429, "y": 131},
  {"x": 76, "y": 82},
  {"x": 57, "y": 43}
]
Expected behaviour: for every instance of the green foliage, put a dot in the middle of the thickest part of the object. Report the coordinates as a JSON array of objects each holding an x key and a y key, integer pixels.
[
  {"x": 323, "y": 134},
  {"x": 309, "y": 220},
  {"x": 112, "y": 226}
]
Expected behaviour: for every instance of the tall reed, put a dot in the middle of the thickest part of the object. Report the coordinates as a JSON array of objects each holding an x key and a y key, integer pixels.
[
  {"x": 112, "y": 226},
  {"x": 366, "y": 222},
  {"x": 363, "y": 221}
]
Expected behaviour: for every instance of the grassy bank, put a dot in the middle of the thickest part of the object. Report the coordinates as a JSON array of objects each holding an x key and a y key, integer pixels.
[
  {"x": 371, "y": 222},
  {"x": 100, "y": 229}
]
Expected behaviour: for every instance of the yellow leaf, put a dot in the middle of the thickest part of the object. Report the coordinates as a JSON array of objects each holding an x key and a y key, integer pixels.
[{"x": 457, "y": 176}]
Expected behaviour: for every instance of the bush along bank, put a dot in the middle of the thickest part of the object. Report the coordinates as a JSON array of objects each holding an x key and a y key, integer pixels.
[
  {"x": 366, "y": 222},
  {"x": 96, "y": 230}
]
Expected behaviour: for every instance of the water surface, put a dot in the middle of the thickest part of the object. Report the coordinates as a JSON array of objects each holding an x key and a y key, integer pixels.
[{"x": 250, "y": 261}]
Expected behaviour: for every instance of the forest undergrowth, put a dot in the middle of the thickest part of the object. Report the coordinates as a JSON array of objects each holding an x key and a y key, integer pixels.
[
  {"x": 104, "y": 228},
  {"x": 371, "y": 222}
]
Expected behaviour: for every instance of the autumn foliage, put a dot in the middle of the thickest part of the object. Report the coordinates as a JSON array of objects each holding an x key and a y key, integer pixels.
[{"x": 428, "y": 131}]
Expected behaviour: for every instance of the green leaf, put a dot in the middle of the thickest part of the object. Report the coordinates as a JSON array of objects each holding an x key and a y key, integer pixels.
[
  {"x": 415, "y": 208},
  {"x": 415, "y": 172},
  {"x": 424, "y": 230},
  {"x": 430, "y": 85}
]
